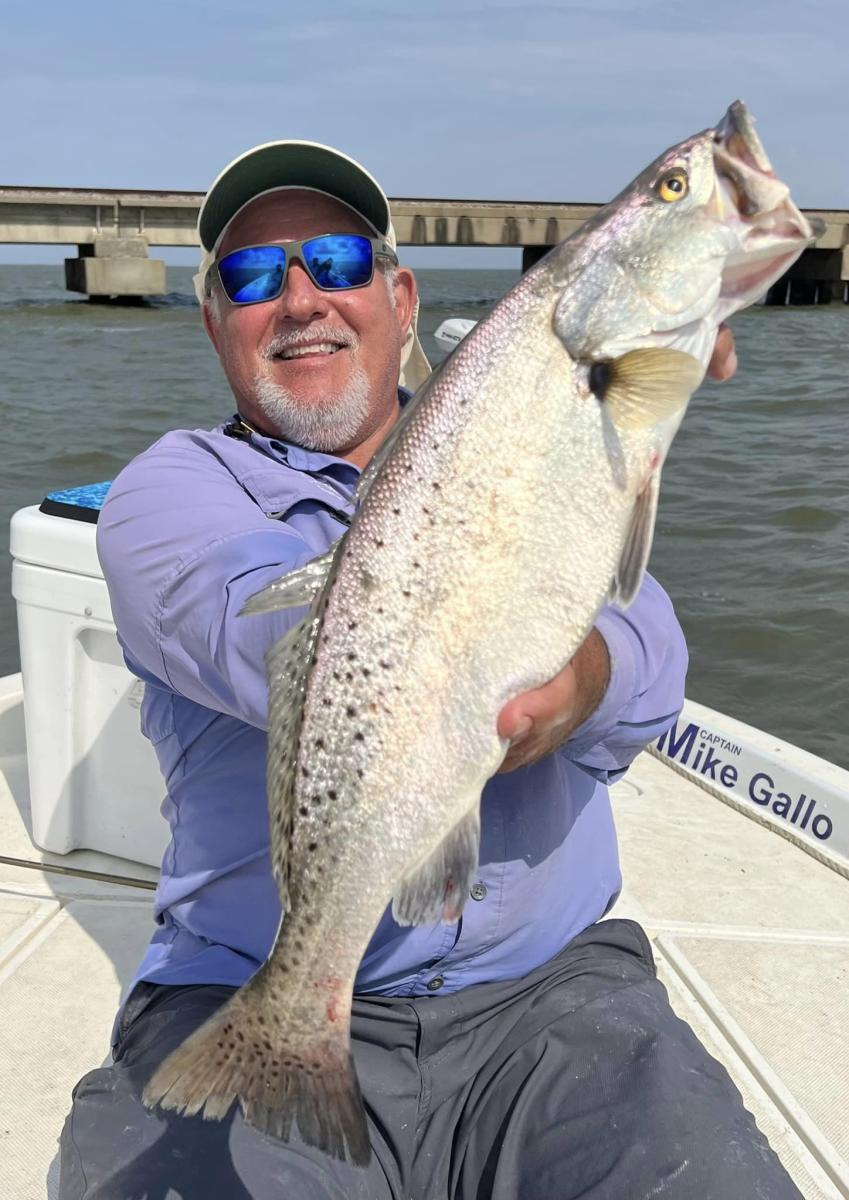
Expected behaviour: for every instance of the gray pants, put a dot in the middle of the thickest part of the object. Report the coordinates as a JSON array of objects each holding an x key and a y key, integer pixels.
[{"x": 576, "y": 1081}]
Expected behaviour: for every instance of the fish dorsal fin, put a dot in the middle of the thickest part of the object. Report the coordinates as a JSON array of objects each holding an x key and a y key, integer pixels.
[
  {"x": 637, "y": 547},
  {"x": 649, "y": 385},
  {"x": 300, "y": 586},
  {"x": 288, "y": 663},
  {"x": 436, "y": 889}
]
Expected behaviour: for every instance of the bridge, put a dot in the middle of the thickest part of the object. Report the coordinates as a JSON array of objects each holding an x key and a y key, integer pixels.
[{"x": 114, "y": 229}]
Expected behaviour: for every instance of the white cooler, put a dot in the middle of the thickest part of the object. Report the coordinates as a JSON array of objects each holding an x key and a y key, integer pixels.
[{"x": 94, "y": 779}]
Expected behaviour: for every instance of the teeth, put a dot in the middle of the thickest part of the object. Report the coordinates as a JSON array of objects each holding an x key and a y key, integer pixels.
[{"x": 301, "y": 351}]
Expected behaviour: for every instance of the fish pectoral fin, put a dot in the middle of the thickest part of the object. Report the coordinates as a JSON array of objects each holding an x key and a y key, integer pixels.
[
  {"x": 288, "y": 661},
  {"x": 649, "y": 385},
  {"x": 436, "y": 889},
  {"x": 637, "y": 547},
  {"x": 289, "y": 591}
]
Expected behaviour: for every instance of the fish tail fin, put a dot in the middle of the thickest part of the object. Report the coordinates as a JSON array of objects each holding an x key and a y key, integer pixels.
[{"x": 242, "y": 1053}]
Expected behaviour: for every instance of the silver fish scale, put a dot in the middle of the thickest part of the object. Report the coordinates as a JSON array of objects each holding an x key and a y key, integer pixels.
[{"x": 473, "y": 571}]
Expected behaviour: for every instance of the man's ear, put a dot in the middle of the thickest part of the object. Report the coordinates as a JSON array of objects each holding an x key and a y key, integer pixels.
[
  {"x": 209, "y": 324},
  {"x": 405, "y": 296}
]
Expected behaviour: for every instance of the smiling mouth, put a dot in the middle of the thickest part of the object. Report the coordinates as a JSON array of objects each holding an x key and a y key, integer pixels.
[{"x": 319, "y": 350}]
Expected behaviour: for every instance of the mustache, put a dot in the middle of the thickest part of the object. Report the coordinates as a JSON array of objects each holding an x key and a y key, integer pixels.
[{"x": 307, "y": 336}]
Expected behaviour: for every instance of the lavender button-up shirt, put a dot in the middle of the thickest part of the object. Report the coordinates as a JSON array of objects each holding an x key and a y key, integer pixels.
[{"x": 191, "y": 529}]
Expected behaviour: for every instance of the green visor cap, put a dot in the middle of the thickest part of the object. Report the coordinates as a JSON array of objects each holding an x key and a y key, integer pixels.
[{"x": 291, "y": 164}]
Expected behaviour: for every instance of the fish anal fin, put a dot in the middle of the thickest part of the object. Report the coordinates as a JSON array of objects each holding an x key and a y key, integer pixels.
[
  {"x": 637, "y": 547},
  {"x": 436, "y": 890},
  {"x": 649, "y": 385}
]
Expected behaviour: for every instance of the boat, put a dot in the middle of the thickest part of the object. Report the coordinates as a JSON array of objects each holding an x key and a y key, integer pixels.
[{"x": 734, "y": 848}]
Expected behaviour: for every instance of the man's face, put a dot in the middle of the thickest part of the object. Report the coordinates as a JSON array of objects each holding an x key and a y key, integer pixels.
[{"x": 320, "y": 368}]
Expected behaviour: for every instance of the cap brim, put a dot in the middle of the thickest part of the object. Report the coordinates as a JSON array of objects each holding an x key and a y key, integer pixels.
[{"x": 290, "y": 164}]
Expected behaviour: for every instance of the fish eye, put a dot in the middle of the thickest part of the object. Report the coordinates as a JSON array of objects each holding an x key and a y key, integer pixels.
[{"x": 672, "y": 186}]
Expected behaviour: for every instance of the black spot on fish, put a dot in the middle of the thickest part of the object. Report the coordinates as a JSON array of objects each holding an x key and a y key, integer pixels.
[
  {"x": 304, "y": 811},
  {"x": 319, "y": 743},
  {"x": 350, "y": 711},
  {"x": 312, "y": 846},
  {"x": 387, "y": 666},
  {"x": 600, "y": 376},
  {"x": 359, "y": 736},
  {"x": 397, "y": 512},
  {"x": 351, "y": 656},
  {"x": 331, "y": 795},
  {"x": 352, "y": 624}
]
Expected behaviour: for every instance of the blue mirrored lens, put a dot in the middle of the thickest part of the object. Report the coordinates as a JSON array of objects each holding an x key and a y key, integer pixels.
[
  {"x": 253, "y": 274},
  {"x": 339, "y": 260}
]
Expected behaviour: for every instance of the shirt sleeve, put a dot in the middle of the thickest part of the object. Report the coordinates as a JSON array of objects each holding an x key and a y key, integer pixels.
[
  {"x": 648, "y": 668},
  {"x": 182, "y": 547}
]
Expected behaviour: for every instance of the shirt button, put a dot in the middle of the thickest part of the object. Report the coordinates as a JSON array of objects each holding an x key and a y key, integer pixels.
[
  {"x": 477, "y": 891},
  {"x": 435, "y": 984}
]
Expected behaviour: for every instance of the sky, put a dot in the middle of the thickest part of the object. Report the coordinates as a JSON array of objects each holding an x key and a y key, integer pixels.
[{"x": 475, "y": 99}]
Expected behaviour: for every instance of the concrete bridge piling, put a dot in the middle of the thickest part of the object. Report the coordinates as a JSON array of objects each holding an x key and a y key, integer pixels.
[{"x": 114, "y": 230}]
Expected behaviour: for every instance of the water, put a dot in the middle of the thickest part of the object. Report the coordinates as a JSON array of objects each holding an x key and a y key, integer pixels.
[{"x": 753, "y": 530}]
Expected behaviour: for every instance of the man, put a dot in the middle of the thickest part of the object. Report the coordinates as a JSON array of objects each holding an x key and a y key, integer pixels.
[{"x": 524, "y": 1051}]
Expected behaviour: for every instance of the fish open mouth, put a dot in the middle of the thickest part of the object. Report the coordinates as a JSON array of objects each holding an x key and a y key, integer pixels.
[{"x": 749, "y": 197}]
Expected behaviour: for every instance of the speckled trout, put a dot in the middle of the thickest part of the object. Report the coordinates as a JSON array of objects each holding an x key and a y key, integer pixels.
[{"x": 513, "y": 498}]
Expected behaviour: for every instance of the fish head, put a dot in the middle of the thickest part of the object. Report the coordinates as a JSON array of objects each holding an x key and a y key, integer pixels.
[
  {"x": 641, "y": 289},
  {"x": 701, "y": 233}
]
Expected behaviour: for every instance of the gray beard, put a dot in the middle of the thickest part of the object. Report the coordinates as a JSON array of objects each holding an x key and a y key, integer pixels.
[{"x": 329, "y": 426}]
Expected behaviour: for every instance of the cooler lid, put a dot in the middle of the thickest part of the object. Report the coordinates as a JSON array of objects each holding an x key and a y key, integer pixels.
[{"x": 46, "y": 540}]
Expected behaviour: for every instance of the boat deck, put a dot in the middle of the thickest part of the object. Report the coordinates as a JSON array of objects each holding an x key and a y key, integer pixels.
[{"x": 751, "y": 936}]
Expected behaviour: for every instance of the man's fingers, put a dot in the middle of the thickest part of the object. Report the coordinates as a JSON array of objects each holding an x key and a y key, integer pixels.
[
  {"x": 723, "y": 363},
  {"x": 541, "y": 708}
]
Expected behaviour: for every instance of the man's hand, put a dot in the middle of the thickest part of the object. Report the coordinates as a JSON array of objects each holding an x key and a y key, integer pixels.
[
  {"x": 539, "y": 721},
  {"x": 723, "y": 362}
]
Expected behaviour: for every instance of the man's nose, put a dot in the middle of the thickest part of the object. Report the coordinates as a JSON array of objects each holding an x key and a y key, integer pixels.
[{"x": 301, "y": 300}]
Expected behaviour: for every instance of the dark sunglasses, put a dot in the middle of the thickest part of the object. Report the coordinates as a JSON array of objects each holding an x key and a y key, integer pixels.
[{"x": 335, "y": 262}]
